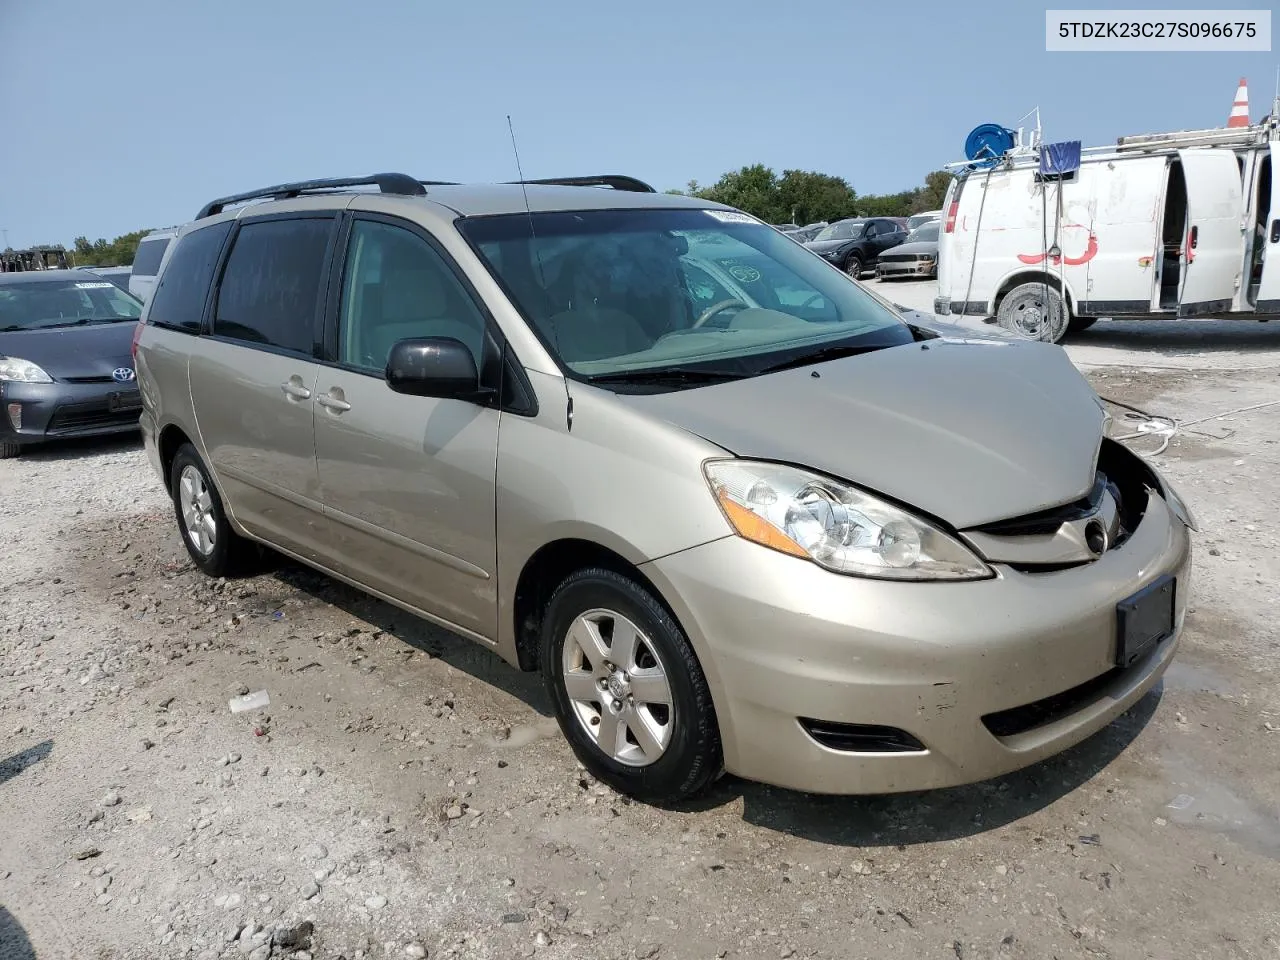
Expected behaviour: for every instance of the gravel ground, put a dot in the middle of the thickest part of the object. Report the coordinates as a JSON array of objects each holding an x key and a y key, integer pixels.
[{"x": 405, "y": 794}]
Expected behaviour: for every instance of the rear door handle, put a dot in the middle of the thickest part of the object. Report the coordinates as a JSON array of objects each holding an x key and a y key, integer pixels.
[
  {"x": 1275, "y": 231},
  {"x": 294, "y": 390}
]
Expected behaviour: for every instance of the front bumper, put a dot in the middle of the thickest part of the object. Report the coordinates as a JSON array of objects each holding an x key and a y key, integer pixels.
[
  {"x": 906, "y": 268},
  {"x": 782, "y": 639},
  {"x": 36, "y": 412}
]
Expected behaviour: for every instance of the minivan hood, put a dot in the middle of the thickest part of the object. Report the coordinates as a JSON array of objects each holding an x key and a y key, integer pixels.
[
  {"x": 93, "y": 350},
  {"x": 969, "y": 432}
]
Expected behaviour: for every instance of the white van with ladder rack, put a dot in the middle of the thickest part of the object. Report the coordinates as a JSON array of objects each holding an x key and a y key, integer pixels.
[{"x": 1159, "y": 226}]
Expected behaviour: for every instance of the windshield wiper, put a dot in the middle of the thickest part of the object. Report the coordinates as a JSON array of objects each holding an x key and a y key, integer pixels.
[
  {"x": 822, "y": 355},
  {"x": 663, "y": 375}
]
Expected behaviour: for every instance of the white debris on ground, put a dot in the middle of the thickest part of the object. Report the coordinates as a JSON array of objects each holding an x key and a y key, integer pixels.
[{"x": 404, "y": 794}]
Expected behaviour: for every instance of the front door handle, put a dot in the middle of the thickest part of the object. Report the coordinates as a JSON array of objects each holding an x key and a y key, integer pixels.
[
  {"x": 293, "y": 389},
  {"x": 334, "y": 403}
]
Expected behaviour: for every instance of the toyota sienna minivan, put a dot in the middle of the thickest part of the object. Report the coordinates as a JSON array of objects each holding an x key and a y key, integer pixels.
[{"x": 739, "y": 514}]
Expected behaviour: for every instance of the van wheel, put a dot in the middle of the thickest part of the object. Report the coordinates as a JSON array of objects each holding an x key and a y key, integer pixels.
[
  {"x": 853, "y": 267},
  {"x": 1035, "y": 311},
  {"x": 627, "y": 689},
  {"x": 211, "y": 543}
]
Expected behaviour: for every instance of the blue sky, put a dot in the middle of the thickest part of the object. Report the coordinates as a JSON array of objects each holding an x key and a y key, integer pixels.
[{"x": 129, "y": 115}]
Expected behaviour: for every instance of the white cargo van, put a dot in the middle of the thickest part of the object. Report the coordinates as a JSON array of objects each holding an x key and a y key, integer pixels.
[
  {"x": 1159, "y": 226},
  {"x": 146, "y": 261}
]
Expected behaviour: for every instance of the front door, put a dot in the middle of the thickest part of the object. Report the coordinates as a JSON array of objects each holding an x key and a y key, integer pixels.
[
  {"x": 1214, "y": 246},
  {"x": 1268, "y": 299},
  {"x": 409, "y": 483},
  {"x": 253, "y": 378}
]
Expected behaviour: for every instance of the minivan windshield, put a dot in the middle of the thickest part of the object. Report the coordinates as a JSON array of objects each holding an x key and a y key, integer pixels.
[
  {"x": 40, "y": 304},
  {"x": 844, "y": 230},
  {"x": 682, "y": 294}
]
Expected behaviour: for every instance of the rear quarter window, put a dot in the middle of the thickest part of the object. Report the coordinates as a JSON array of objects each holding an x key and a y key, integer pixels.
[
  {"x": 146, "y": 259},
  {"x": 178, "y": 302}
]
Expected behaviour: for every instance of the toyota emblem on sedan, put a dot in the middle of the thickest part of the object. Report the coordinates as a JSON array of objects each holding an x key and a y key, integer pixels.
[{"x": 122, "y": 374}]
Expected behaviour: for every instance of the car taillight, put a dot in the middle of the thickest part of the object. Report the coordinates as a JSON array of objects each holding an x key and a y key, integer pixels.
[
  {"x": 951, "y": 216},
  {"x": 137, "y": 335}
]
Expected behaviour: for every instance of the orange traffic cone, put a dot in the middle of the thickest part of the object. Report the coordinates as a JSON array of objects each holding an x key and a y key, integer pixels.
[{"x": 1240, "y": 109}]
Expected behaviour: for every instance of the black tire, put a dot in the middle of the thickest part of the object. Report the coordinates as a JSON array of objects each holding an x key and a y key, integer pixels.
[
  {"x": 1035, "y": 311},
  {"x": 1080, "y": 324},
  {"x": 9, "y": 449},
  {"x": 854, "y": 266},
  {"x": 230, "y": 554},
  {"x": 693, "y": 757}
]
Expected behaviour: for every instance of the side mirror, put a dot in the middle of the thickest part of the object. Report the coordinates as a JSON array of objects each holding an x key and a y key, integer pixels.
[{"x": 435, "y": 367}]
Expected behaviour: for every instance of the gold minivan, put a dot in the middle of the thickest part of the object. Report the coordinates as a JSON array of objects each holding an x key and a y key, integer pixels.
[{"x": 740, "y": 513}]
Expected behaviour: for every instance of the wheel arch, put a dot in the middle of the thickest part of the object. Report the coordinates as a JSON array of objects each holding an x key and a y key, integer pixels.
[
  {"x": 548, "y": 567},
  {"x": 1019, "y": 277}
]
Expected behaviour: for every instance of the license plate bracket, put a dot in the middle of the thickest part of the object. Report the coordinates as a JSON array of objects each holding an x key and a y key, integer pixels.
[
  {"x": 1144, "y": 620},
  {"x": 122, "y": 402}
]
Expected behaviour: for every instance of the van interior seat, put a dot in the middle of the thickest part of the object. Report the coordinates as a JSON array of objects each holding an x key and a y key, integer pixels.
[{"x": 414, "y": 299}]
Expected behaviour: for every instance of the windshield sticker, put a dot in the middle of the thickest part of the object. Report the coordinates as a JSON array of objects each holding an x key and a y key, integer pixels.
[
  {"x": 92, "y": 286},
  {"x": 730, "y": 216}
]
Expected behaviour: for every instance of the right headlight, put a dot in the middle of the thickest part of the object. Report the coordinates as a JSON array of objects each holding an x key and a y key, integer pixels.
[
  {"x": 22, "y": 371},
  {"x": 836, "y": 525}
]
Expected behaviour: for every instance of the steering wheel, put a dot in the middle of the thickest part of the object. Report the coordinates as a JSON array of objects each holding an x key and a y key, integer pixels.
[
  {"x": 715, "y": 308},
  {"x": 816, "y": 296}
]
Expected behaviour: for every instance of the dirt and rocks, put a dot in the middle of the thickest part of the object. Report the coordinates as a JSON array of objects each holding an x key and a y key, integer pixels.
[{"x": 405, "y": 794}]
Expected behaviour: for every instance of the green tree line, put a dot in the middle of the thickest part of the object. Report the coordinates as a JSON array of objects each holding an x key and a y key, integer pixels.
[
  {"x": 107, "y": 253},
  {"x": 804, "y": 196}
]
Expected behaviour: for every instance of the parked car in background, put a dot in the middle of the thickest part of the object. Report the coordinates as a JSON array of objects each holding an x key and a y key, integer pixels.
[
  {"x": 807, "y": 232},
  {"x": 917, "y": 256},
  {"x": 739, "y": 514},
  {"x": 146, "y": 261},
  {"x": 65, "y": 364},
  {"x": 920, "y": 219},
  {"x": 117, "y": 275},
  {"x": 786, "y": 227},
  {"x": 855, "y": 245}
]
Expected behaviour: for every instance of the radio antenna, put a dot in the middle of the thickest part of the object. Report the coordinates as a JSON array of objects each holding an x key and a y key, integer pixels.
[{"x": 542, "y": 273}]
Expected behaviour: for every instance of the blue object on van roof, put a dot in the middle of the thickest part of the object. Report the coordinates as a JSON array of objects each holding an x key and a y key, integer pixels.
[
  {"x": 1060, "y": 158},
  {"x": 987, "y": 143}
]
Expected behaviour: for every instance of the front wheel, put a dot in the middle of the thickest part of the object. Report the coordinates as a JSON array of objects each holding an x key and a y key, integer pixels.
[
  {"x": 211, "y": 543},
  {"x": 853, "y": 267},
  {"x": 627, "y": 689},
  {"x": 1035, "y": 311},
  {"x": 9, "y": 449}
]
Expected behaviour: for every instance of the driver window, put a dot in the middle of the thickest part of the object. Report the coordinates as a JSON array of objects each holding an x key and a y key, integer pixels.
[
  {"x": 873, "y": 230},
  {"x": 396, "y": 286}
]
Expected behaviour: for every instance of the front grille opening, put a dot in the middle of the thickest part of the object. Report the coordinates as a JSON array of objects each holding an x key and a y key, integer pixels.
[
  {"x": 84, "y": 418},
  {"x": 1041, "y": 713},
  {"x": 861, "y": 737},
  {"x": 1121, "y": 473}
]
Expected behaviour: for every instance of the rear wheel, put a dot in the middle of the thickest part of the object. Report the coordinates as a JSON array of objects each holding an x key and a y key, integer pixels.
[
  {"x": 627, "y": 688},
  {"x": 1035, "y": 311},
  {"x": 211, "y": 543}
]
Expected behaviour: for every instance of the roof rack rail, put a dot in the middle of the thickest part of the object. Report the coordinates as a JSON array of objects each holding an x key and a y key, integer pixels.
[
  {"x": 616, "y": 181},
  {"x": 395, "y": 183}
]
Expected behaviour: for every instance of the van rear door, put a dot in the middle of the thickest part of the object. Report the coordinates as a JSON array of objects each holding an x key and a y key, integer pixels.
[
  {"x": 1213, "y": 248},
  {"x": 1269, "y": 290}
]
